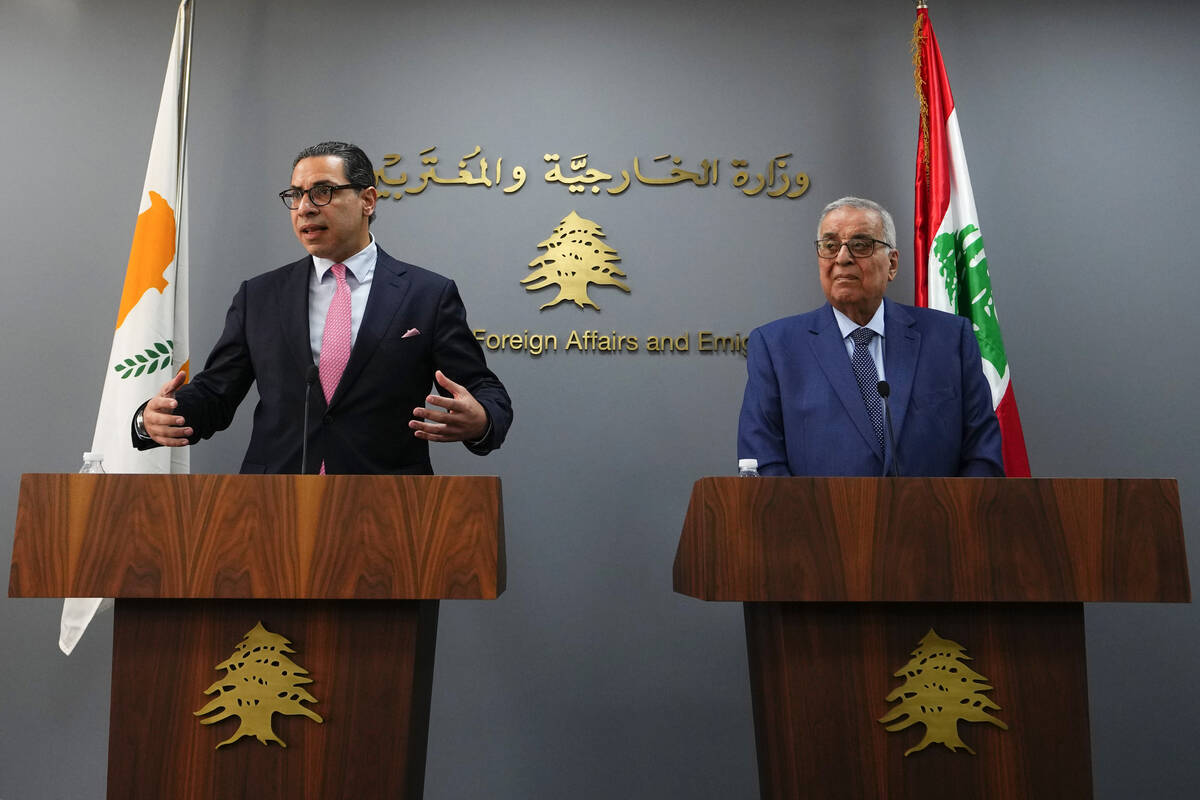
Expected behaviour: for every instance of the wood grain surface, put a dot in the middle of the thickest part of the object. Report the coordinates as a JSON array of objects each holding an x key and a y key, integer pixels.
[
  {"x": 371, "y": 663},
  {"x": 820, "y": 674},
  {"x": 933, "y": 540},
  {"x": 259, "y": 536}
]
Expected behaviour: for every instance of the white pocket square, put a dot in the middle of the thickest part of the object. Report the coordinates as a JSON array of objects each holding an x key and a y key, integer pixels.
[{"x": 411, "y": 332}]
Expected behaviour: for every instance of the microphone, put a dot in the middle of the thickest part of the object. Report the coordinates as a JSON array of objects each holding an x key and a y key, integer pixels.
[
  {"x": 884, "y": 391},
  {"x": 310, "y": 378}
]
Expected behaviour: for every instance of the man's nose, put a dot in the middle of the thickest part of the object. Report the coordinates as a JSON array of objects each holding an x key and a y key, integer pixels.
[{"x": 844, "y": 256}]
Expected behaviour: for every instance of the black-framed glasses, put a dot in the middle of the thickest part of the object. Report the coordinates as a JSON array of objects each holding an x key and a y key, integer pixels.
[
  {"x": 859, "y": 246},
  {"x": 320, "y": 195}
]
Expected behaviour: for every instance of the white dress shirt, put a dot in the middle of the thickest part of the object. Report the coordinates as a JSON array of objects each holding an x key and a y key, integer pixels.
[
  {"x": 848, "y": 326},
  {"x": 360, "y": 269}
]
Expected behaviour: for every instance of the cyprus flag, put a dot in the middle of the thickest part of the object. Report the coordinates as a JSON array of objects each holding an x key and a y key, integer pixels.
[{"x": 150, "y": 342}]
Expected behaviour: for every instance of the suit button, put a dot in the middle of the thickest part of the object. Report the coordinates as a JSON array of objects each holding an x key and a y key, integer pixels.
[{"x": 328, "y": 419}]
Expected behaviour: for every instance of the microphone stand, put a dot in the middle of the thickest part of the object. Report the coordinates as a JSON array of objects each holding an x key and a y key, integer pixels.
[
  {"x": 309, "y": 379},
  {"x": 884, "y": 391}
]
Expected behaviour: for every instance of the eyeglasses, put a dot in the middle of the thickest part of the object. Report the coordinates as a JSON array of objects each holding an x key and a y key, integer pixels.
[
  {"x": 320, "y": 195},
  {"x": 859, "y": 246}
]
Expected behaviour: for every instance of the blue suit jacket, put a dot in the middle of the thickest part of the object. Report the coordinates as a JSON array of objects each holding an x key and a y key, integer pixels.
[
  {"x": 364, "y": 427},
  {"x": 803, "y": 413}
]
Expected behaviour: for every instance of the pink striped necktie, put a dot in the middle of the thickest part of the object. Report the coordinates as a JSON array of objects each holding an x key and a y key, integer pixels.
[{"x": 335, "y": 340}]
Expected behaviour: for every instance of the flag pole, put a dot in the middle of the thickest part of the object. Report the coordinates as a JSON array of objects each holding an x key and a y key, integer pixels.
[{"x": 186, "y": 74}]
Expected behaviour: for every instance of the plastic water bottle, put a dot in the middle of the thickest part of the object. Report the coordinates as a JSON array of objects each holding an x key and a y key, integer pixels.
[
  {"x": 747, "y": 467},
  {"x": 93, "y": 464}
]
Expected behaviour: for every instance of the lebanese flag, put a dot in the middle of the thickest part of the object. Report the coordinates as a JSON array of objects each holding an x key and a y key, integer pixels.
[
  {"x": 149, "y": 343},
  {"x": 952, "y": 269}
]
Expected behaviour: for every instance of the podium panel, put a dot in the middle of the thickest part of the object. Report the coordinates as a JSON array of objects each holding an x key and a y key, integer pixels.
[
  {"x": 820, "y": 673},
  {"x": 371, "y": 665}
]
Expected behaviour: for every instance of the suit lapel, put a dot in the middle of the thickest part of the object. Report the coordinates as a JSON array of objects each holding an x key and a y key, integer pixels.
[
  {"x": 293, "y": 312},
  {"x": 902, "y": 347},
  {"x": 389, "y": 285},
  {"x": 829, "y": 349}
]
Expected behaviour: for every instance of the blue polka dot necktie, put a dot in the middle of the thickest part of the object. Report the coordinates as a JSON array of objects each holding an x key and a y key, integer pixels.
[{"x": 868, "y": 379}]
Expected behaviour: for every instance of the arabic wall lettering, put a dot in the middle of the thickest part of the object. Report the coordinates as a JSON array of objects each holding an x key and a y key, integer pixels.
[{"x": 473, "y": 169}]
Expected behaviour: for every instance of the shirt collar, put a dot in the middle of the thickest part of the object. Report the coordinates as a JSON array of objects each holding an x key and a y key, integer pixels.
[
  {"x": 361, "y": 265},
  {"x": 848, "y": 326}
]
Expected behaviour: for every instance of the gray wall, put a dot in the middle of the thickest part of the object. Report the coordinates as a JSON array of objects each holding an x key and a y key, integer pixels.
[{"x": 589, "y": 678}]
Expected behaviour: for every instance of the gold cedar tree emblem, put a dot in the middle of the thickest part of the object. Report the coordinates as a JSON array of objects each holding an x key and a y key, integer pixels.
[
  {"x": 575, "y": 257},
  {"x": 260, "y": 680},
  {"x": 938, "y": 691}
]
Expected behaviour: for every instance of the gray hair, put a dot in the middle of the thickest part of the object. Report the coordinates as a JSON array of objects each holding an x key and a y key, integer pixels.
[
  {"x": 889, "y": 225},
  {"x": 357, "y": 165}
]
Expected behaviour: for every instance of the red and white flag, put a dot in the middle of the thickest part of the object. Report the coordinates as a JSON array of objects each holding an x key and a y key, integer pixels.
[
  {"x": 951, "y": 267},
  {"x": 150, "y": 341}
]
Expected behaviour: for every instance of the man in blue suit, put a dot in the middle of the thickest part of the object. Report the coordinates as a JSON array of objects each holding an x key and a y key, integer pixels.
[
  {"x": 403, "y": 330},
  {"x": 812, "y": 403}
]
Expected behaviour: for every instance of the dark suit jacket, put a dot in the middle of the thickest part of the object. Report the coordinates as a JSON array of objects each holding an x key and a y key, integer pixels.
[
  {"x": 803, "y": 413},
  {"x": 364, "y": 428}
]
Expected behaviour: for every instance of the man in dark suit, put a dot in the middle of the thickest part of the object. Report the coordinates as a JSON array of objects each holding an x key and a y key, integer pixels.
[
  {"x": 812, "y": 404},
  {"x": 392, "y": 330}
]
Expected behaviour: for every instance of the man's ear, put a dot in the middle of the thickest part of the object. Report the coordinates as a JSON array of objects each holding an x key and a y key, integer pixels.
[{"x": 369, "y": 197}]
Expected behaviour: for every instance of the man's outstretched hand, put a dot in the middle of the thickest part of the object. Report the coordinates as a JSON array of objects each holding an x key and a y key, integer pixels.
[{"x": 463, "y": 419}]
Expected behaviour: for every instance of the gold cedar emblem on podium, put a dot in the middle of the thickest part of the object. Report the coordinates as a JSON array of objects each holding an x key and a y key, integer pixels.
[
  {"x": 260, "y": 680},
  {"x": 938, "y": 691},
  {"x": 575, "y": 257}
]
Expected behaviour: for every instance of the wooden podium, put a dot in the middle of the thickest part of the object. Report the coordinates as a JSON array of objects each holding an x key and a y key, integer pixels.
[
  {"x": 349, "y": 568},
  {"x": 843, "y": 577}
]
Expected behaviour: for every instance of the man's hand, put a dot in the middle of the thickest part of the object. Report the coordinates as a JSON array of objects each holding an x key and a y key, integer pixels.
[
  {"x": 162, "y": 425},
  {"x": 464, "y": 420}
]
